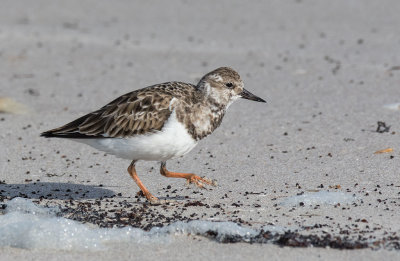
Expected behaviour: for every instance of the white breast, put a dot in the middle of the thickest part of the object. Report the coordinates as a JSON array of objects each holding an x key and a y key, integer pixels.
[{"x": 171, "y": 142}]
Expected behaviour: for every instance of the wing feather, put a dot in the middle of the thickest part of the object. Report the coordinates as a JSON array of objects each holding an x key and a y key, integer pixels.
[{"x": 138, "y": 112}]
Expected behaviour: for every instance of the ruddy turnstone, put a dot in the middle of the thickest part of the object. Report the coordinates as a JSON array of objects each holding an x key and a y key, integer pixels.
[{"x": 159, "y": 122}]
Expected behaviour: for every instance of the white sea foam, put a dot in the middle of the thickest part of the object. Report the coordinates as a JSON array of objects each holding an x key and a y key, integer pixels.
[
  {"x": 277, "y": 229},
  {"x": 27, "y": 225},
  {"x": 319, "y": 198}
]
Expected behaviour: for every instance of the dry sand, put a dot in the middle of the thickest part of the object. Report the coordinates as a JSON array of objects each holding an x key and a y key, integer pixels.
[{"x": 326, "y": 69}]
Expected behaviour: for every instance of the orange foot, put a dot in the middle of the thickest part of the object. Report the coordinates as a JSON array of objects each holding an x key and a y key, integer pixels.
[
  {"x": 149, "y": 197},
  {"x": 191, "y": 178},
  {"x": 144, "y": 190},
  {"x": 199, "y": 181}
]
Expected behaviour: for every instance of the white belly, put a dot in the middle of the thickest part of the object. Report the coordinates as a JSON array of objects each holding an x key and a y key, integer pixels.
[{"x": 171, "y": 142}]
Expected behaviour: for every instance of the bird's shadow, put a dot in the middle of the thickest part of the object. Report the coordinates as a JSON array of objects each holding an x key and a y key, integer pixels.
[{"x": 49, "y": 190}]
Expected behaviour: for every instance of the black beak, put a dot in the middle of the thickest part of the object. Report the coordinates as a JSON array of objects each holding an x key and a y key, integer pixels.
[{"x": 249, "y": 96}]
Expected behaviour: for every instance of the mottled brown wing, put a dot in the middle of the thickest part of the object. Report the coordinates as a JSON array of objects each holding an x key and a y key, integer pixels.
[{"x": 138, "y": 112}]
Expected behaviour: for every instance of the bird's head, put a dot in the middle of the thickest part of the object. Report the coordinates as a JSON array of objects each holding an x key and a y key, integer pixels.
[{"x": 223, "y": 86}]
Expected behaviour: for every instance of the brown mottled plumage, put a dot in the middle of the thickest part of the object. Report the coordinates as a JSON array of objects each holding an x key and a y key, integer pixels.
[
  {"x": 138, "y": 112},
  {"x": 159, "y": 122}
]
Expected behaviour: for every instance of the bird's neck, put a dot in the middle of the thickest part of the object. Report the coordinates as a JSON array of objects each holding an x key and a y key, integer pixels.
[{"x": 202, "y": 118}]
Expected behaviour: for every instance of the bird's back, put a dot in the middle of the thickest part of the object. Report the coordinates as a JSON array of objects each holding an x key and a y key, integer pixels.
[{"x": 138, "y": 112}]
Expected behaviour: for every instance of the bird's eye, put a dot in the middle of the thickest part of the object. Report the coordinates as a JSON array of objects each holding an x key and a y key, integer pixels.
[{"x": 229, "y": 85}]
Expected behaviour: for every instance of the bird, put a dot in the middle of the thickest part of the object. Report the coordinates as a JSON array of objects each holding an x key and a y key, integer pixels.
[{"x": 160, "y": 122}]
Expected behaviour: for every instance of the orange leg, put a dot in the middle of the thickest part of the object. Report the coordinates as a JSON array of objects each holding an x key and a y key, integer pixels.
[
  {"x": 147, "y": 194},
  {"x": 191, "y": 178}
]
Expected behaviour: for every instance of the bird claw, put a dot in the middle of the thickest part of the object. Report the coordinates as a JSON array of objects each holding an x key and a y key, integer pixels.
[
  {"x": 201, "y": 181},
  {"x": 152, "y": 199}
]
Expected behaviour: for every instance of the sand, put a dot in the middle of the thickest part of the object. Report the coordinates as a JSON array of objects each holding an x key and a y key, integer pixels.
[{"x": 329, "y": 71}]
